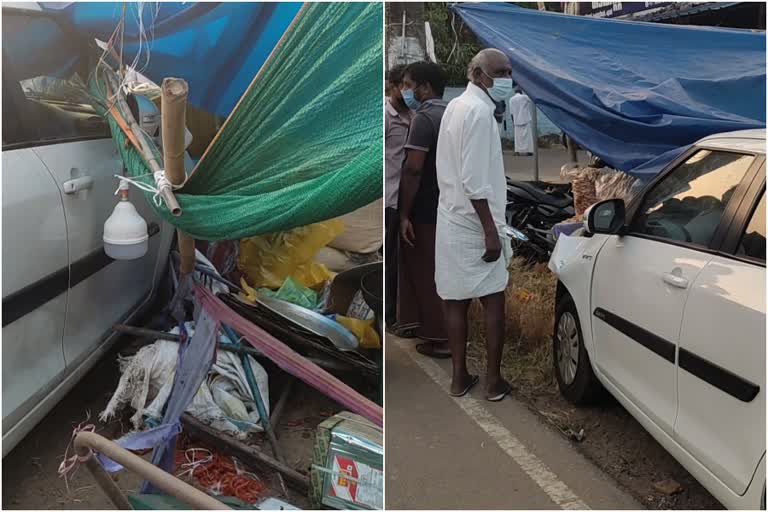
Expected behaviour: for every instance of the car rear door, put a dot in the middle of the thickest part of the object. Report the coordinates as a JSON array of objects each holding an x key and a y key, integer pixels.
[
  {"x": 35, "y": 273},
  {"x": 75, "y": 146},
  {"x": 721, "y": 376},
  {"x": 642, "y": 279}
]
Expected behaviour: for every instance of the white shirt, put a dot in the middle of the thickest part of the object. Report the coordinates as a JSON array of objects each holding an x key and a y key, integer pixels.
[
  {"x": 521, "y": 109},
  {"x": 469, "y": 159}
]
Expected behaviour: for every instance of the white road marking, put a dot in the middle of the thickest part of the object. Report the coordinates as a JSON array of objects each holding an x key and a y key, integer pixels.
[{"x": 555, "y": 488}]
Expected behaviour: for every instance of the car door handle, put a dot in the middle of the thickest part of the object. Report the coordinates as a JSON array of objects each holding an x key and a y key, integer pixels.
[
  {"x": 78, "y": 184},
  {"x": 675, "y": 280}
]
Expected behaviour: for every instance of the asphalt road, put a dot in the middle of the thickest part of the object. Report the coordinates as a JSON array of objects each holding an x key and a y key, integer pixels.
[{"x": 467, "y": 453}]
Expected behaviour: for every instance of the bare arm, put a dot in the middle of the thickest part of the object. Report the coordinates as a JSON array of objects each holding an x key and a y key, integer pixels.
[
  {"x": 492, "y": 242},
  {"x": 410, "y": 180},
  {"x": 409, "y": 185}
]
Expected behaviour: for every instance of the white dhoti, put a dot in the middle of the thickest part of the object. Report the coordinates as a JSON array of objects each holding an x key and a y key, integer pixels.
[
  {"x": 523, "y": 138},
  {"x": 460, "y": 272}
]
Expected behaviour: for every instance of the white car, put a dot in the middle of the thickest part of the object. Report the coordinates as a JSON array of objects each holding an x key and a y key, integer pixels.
[
  {"x": 662, "y": 303},
  {"x": 61, "y": 292}
]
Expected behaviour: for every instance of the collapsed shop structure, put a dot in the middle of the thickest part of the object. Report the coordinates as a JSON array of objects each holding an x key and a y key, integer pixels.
[{"x": 299, "y": 150}]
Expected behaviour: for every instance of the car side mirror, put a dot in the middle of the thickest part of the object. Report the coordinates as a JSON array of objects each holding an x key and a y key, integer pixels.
[{"x": 606, "y": 217}]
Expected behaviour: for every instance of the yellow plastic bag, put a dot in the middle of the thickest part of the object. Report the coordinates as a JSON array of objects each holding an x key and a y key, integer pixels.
[
  {"x": 362, "y": 329},
  {"x": 267, "y": 260}
]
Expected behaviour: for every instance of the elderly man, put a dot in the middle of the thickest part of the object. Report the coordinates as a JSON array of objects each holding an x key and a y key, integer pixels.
[{"x": 471, "y": 251}]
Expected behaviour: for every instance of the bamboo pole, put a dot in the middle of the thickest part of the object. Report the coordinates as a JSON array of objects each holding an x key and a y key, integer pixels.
[
  {"x": 174, "y": 106},
  {"x": 144, "y": 144},
  {"x": 88, "y": 442}
]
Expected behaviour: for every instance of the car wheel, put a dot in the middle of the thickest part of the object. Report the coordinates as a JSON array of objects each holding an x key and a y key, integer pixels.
[{"x": 573, "y": 369}]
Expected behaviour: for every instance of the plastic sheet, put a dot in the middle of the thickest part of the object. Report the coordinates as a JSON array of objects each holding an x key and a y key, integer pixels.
[
  {"x": 267, "y": 260},
  {"x": 613, "y": 184},
  {"x": 293, "y": 292},
  {"x": 290, "y": 361},
  {"x": 362, "y": 329},
  {"x": 223, "y": 400},
  {"x": 233, "y": 39},
  {"x": 628, "y": 91},
  {"x": 590, "y": 185}
]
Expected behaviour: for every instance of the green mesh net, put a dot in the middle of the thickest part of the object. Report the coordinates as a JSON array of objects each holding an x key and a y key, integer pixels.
[{"x": 304, "y": 144}]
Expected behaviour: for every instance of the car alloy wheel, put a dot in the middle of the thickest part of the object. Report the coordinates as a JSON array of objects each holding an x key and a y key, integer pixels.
[{"x": 568, "y": 347}]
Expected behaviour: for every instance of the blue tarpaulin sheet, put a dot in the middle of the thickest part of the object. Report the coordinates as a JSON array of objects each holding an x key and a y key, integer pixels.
[
  {"x": 630, "y": 92},
  {"x": 216, "y": 47}
]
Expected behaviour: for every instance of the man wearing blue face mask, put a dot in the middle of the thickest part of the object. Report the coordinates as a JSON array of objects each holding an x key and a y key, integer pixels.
[
  {"x": 397, "y": 120},
  {"x": 420, "y": 310},
  {"x": 471, "y": 251}
]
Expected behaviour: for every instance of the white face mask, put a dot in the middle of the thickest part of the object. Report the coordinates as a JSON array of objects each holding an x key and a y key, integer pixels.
[{"x": 502, "y": 88}]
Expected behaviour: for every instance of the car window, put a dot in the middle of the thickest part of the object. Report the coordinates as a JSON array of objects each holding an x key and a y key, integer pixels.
[
  {"x": 752, "y": 243},
  {"x": 48, "y": 81},
  {"x": 687, "y": 205}
]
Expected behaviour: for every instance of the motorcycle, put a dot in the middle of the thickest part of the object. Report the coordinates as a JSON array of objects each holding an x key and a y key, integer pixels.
[{"x": 532, "y": 210}]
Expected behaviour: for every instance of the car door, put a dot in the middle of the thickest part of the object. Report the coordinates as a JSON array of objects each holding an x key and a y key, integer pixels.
[
  {"x": 75, "y": 146},
  {"x": 642, "y": 279},
  {"x": 35, "y": 272},
  {"x": 721, "y": 375}
]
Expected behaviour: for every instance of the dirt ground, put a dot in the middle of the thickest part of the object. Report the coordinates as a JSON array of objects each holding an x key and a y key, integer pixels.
[
  {"x": 30, "y": 479},
  {"x": 620, "y": 446},
  {"x": 612, "y": 438}
]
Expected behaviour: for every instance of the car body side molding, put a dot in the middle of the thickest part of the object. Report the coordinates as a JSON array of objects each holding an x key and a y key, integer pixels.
[
  {"x": 709, "y": 372},
  {"x": 29, "y": 298},
  {"x": 655, "y": 344}
]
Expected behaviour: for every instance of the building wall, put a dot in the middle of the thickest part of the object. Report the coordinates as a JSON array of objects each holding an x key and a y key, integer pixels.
[{"x": 413, "y": 47}]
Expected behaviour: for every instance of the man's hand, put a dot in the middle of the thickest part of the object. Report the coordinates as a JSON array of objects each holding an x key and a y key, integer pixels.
[
  {"x": 492, "y": 247},
  {"x": 406, "y": 231},
  {"x": 492, "y": 242}
]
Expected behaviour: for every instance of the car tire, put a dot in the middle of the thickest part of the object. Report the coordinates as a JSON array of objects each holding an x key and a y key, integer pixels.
[{"x": 573, "y": 369}]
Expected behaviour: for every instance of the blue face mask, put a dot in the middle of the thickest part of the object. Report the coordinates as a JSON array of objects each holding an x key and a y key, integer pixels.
[
  {"x": 502, "y": 88},
  {"x": 409, "y": 99}
]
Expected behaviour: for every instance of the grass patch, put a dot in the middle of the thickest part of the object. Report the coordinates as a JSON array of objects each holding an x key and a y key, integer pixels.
[{"x": 530, "y": 306}]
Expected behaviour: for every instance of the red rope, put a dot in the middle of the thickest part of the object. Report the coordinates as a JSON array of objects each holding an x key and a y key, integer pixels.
[{"x": 219, "y": 474}]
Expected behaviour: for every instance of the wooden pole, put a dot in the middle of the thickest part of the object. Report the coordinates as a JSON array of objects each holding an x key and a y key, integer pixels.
[
  {"x": 174, "y": 107},
  {"x": 86, "y": 443},
  {"x": 572, "y": 157},
  {"x": 145, "y": 145},
  {"x": 535, "y": 128}
]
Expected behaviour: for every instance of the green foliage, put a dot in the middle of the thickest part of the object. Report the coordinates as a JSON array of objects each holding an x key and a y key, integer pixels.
[
  {"x": 454, "y": 50},
  {"x": 456, "y": 45}
]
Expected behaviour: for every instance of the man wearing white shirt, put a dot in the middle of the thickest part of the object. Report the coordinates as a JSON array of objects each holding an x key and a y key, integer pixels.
[
  {"x": 521, "y": 107},
  {"x": 471, "y": 253}
]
